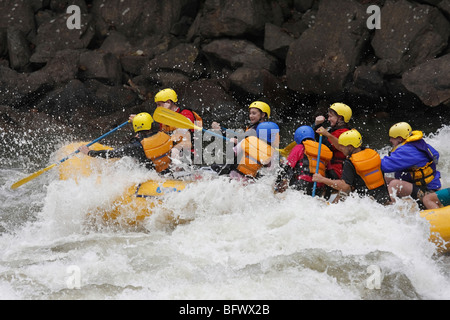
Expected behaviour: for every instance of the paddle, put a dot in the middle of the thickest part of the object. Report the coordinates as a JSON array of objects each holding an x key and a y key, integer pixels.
[
  {"x": 317, "y": 166},
  {"x": 285, "y": 152},
  {"x": 38, "y": 173},
  {"x": 177, "y": 120}
]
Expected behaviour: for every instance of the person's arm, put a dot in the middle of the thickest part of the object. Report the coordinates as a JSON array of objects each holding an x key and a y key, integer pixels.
[
  {"x": 322, "y": 131},
  {"x": 400, "y": 160},
  {"x": 238, "y": 148},
  {"x": 132, "y": 150},
  {"x": 344, "y": 184},
  {"x": 339, "y": 185},
  {"x": 435, "y": 154},
  {"x": 181, "y": 139},
  {"x": 295, "y": 155},
  {"x": 286, "y": 171},
  {"x": 333, "y": 137}
]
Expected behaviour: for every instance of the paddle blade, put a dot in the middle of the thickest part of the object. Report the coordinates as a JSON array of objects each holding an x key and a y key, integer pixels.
[
  {"x": 285, "y": 152},
  {"x": 173, "y": 119},
  {"x": 31, "y": 177},
  {"x": 37, "y": 174}
]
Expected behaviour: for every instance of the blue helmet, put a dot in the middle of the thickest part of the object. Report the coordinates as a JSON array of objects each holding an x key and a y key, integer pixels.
[
  {"x": 302, "y": 133},
  {"x": 267, "y": 131}
]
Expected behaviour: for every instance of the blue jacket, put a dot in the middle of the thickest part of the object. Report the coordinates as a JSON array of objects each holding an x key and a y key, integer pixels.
[{"x": 408, "y": 156}]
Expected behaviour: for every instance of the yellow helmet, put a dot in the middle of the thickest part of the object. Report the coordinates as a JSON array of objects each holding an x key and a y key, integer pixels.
[
  {"x": 142, "y": 121},
  {"x": 401, "y": 129},
  {"x": 342, "y": 110},
  {"x": 351, "y": 137},
  {"x": 264, "y": 107},
  {"x": 166, "y": 94}
]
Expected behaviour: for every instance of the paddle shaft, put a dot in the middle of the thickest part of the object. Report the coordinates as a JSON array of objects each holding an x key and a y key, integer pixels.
[
  {"x": 317, "y": 165},
  {"x": 94, "y": 141},
  {"x": 214, "y": 134},
  {"x": 38, "y": 173},
  {"x": 177, "y": 120}
]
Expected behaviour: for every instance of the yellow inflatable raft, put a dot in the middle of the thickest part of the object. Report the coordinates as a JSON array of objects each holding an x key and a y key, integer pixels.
[
  {"x": 439, "y": 220},
  {"x": 136, "y": 203},
  {"x": 140, "y": 200}
]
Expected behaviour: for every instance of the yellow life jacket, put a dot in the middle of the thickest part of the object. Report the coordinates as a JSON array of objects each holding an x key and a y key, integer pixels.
[
  {"x": 157, "y": 148},
  {"x": 424, "y": 175},
  {"x": 415, "y": 136},
  {"x": 368, "y": 166},
  {"x": 256, "y": 154},
  {"x": 312, "y": 151},
  {"x": 421, "y": 176}
]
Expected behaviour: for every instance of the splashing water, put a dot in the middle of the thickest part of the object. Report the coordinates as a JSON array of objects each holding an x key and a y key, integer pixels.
[{"x": 232, "y": 242}]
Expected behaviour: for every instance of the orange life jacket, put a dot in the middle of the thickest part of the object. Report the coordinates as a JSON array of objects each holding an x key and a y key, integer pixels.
[
  {"x": 157, "y": 148},
  {"x": 312, "y": 151},
  {"x": 257, "y": 153},
  {"x": 368, "y": 166}
]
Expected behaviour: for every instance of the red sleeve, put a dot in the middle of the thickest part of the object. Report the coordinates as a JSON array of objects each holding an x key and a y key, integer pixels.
[
  {"x": 338, "y": 132},
  {"x": 188, "y": 114},
  {"x": 295, "y": 155},
  {"x": 337, "y": 155}
]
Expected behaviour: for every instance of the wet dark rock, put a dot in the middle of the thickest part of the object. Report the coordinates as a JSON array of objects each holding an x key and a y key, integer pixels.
[
  {"x": 322, "y": 60},
  {"x": 166, "y": 79},
  {"x": 43, "y": 16},
  {"x": 303, "y": 5},
  {"x": 108, "y": 99},
  {"x": 235, "y": 18},
  {"x": 18, "y": 49},
  {"x": 60, "y": 6},
  {"x": 182, "y": 59},
  {"x": 133, "y": 64},
  {"x": 295, "y": 26},
  {"x": 367, "y": 81},
  {"x": 411, "y": 34},
  {"x": 298, "y": 55},
  {"x": 445, "y": 8},
  {"x": 66, "y": 100},
  {"x": 277, "y": 40},
  {"x": 138, "y": 18},
  {"x": 199, "y": 95},
  {"x": 3, "y": 42},
  {"x": 53, "y": 36},
  {"x": 23, "y": 89},
  {"x": 116, "y": 43},
  {"x": 135, "y": 54},
  {"x": 430, "y": 81},
  {"x": 240, "y": 53},
  {"x": 256, "y": 82},
  {"x": 101, "y": 66},
  {"x": 19, "y": 14}
]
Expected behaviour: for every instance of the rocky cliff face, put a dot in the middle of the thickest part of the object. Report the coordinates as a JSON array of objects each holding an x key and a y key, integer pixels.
[{"x": 219, "y": 55}]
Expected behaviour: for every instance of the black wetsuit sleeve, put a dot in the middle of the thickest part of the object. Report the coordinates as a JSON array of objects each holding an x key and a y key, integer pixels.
[
  {"x": 349, "y": 174},
  {"x": 133, "y": 149}
]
